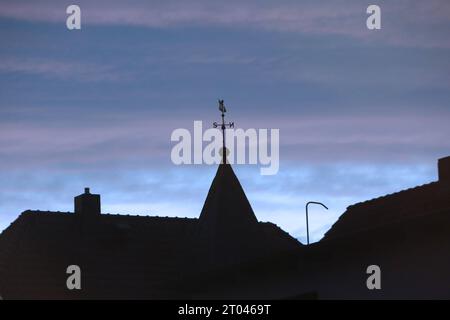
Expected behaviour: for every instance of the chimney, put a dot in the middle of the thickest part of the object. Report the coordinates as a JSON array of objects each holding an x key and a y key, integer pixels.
[
  {"x": 87, "y": 204},
  {"x": 444, "y": 169}
]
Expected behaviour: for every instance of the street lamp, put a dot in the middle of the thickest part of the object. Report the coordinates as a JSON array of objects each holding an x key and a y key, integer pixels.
[{"x": 307, "y": 224}]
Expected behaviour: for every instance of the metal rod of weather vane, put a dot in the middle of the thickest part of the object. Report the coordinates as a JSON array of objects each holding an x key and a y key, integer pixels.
[
  {"x": 224, "y": 152},
  {"x": 307, "y": 223},
  {"x": 223, "y": 127}
]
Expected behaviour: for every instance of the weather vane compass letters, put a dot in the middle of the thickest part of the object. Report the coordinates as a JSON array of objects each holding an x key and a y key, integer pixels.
[{"x": 223, "y": 126}]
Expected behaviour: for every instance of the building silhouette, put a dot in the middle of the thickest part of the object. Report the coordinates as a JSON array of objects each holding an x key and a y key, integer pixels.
[{"x": 227, "y": 253}]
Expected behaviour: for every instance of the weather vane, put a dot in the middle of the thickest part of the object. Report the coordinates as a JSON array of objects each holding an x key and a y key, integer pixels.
[{"x": 223, "y": 126}]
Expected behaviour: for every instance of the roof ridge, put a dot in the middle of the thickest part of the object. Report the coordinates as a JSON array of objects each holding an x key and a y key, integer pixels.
[
  {"x": 392, "y": 194},
  {"x": 49, "y": 212},
  {"x": 382, "y": 224}
]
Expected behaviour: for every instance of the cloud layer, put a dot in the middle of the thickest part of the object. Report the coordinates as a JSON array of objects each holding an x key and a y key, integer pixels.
[{"x": 404, "y": 19}]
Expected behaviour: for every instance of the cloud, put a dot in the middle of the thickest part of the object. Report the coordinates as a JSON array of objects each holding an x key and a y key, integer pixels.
[
  {"x": 59, "y": 69},
  {"x": 404, "y": 23},
  {"x": 140, "y": 138}
]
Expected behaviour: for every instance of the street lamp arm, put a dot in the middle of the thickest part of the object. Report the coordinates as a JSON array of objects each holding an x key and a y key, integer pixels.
[
  {"x": 315, "y": 202},
  {"x": 307, "y": 222}
]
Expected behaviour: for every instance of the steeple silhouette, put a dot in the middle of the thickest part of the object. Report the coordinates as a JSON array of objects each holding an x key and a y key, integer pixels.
[
  {"x": 226, "y": 205},
  {"x": 227, "y": 224},
  {"x": 229, "y": 230}
]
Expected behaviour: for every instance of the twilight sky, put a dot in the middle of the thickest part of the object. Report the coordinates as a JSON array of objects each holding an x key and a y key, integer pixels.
[{"x": 361, "y": 113}]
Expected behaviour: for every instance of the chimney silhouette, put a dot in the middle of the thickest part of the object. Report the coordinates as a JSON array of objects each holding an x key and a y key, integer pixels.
[
  {"x": 444, "y": 169},
  {"x": 87, "y": 204}
]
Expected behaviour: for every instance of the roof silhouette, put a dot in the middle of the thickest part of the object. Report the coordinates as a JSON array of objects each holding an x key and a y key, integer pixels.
[
  {"x": 391, "y": 208},
  {"x": 227, "y": 253},
  {"x": 124, "y": 256}
]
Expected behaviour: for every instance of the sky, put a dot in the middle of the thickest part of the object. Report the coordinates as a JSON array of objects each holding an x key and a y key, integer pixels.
[{"x": 361, "y": 113}]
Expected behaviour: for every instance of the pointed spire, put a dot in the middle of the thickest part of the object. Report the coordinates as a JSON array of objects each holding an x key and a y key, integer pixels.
[{"x": 226, "y": 206}]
